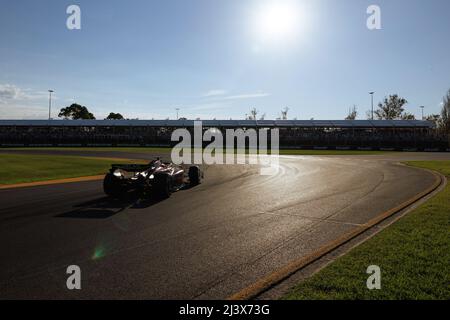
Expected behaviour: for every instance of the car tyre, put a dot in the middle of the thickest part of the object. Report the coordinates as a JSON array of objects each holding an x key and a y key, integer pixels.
[
  {"x": 194, "y": 175},
  {"x": 112, "y": 186},
  {"x": 163, "y": 186}
]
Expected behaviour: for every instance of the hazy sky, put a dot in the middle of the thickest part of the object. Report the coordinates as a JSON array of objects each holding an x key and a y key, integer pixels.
[{"x": 219, "y": 58}]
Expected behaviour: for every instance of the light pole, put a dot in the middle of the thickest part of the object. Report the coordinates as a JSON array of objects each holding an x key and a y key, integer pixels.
[
  {"x": 422, "y": 107},
  {"x": 50, "y": 103},
  {"x": 371, "y": 94},
  {"x": 178, "y": 109}
]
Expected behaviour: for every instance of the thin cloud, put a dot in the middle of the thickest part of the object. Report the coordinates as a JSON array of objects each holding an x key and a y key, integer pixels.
[
  {"x": 247, "y": 96},
  {"x": 22, "y": 103},
  {"x": 215, "y": 93},
  {"x": 221, "y": 95},
  {"x": 10, "y": 92},
  {"x": 22, "y": 111}
]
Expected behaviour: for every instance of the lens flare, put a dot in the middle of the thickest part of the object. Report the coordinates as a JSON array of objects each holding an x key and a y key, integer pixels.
[{"x": 99, "y": 253}]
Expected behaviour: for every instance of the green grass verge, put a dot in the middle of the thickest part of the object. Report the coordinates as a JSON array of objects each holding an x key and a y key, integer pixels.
[
  {"x": 18, "y": 168},
  {"x": 105, "y": 149},
  {"x": 413, "y": 254},
  {"x": 440, "y": 166},
  {"x": 167, "y": 150}
]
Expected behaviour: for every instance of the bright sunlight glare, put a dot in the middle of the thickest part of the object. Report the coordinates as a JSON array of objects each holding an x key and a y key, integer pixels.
[{"x": 277, "y": 21}]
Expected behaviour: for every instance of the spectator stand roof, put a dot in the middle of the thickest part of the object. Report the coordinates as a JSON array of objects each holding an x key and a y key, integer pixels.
[{"x": 223, "y": 123}]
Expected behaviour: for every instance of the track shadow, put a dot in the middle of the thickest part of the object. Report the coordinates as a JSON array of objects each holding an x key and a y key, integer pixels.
[
  {"x": 105, "y": 207},
  {"x": 188, "y": 186},
  {"x": 88, "y": 214}
]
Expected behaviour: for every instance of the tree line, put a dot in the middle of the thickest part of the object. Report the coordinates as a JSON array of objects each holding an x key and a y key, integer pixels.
[
  {"x": 79, "y": 112},
  {"x": 391, "y": 108}
]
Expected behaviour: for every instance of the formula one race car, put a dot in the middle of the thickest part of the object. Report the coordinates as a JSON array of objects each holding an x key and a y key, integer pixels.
[{"x": 157, "y": 178}]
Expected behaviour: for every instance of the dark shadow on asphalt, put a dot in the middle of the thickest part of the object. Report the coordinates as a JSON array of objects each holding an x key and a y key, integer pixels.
[{"x": 106, "y": 207}]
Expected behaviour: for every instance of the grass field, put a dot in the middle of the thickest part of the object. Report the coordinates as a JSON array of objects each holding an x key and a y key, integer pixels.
[
  {"x": 413, "y": 254},
  {"x": 441, "y": 166},
  {"x": 105, "y": 149},
  {"x": 168, "y": 150},
  {"x": 18, "y": 168}
]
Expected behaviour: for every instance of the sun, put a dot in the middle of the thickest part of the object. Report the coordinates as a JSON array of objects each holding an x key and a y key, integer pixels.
[{"x": 277, "y": 21}]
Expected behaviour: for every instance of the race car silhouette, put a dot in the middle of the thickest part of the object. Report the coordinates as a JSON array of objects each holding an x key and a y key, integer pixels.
[{"x": 156, "y": 178}]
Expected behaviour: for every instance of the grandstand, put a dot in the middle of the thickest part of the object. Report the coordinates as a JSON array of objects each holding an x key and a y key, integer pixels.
[{"x": 307, "y": 134}]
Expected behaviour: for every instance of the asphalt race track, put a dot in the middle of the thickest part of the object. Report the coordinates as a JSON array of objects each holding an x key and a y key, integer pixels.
[{"x": 210, "y": 241}]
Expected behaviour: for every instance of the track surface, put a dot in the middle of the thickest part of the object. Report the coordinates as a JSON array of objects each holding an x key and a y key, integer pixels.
[{"x": 206, "y": 242}]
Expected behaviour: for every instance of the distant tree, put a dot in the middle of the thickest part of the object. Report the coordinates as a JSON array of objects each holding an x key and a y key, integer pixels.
[
  {"x": 114, "y": 116},
  {"x": 445, "y": 113},
  {"x": 436, "y": 119},
  {"x": 253, "y": 113},
  {"x": 76, "y": 112},
  {"x": 262, "y": 117},
  {"x": 391, "y": 108},
  {"x": 284, "y": 113},
  {"x": 408, "y": 116},
  {"x": 352, "y": 114}
]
